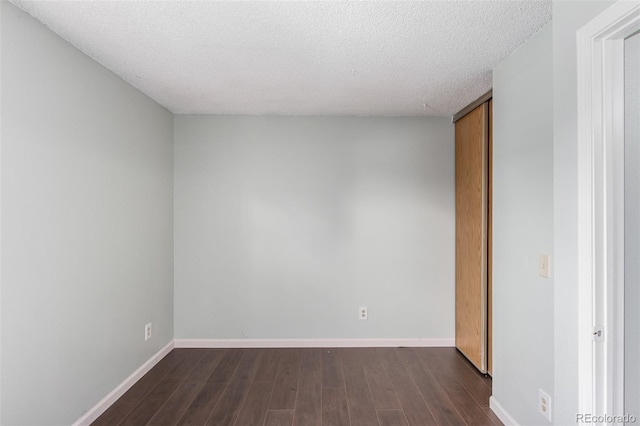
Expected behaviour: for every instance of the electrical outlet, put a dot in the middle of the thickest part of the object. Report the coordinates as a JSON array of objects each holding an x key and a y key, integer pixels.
[
  {"x": 147, "y": 332},
  {"x": 362, "y": 313},
  {"x": 544, "y": 404}
]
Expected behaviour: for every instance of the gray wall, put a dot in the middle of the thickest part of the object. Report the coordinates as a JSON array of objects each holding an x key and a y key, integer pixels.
[
  {"x": 285, "y": 226},
  {"x": 568, "y": 17},
  {"x": 86, "y": 226},
  {"x": 632, "y": 225},
  {"x": 523, "y": 227}
]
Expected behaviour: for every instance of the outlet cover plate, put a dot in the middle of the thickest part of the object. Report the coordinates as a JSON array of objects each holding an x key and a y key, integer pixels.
[
  {"x": 362, "y": 313},
  {"x": 544, "y": 404}
]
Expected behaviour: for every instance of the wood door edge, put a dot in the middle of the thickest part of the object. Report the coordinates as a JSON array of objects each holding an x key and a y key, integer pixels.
[{"x": 485, "y": 213}]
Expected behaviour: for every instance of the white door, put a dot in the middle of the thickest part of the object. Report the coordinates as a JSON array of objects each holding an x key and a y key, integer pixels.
[{"x": 632, "y": 227}]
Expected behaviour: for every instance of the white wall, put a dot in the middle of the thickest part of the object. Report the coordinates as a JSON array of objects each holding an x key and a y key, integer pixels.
[
  {"x": 285, "y": 226},
  {"x": 86, "y": 226},
  {"x": 523, "y": 227},
  {"x": 568, "y": 17}
]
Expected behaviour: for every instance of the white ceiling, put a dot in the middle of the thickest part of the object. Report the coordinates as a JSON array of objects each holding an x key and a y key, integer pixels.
[{"x": 299, "y": 58}]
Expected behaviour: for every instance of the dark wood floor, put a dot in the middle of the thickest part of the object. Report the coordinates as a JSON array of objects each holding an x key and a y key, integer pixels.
[{"x": 347, "y": 386}]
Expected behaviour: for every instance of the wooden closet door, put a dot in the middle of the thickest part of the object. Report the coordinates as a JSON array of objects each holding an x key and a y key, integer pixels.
[
  {"x": 471, "y": 235},
  {"x": 490, "y": 244}
]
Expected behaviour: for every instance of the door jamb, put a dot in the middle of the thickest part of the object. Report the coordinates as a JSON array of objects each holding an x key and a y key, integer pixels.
[{"x": 600, "y": 249}]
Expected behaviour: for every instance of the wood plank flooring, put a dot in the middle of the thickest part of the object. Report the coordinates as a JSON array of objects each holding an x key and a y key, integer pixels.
[{"x": 314, "y": 387}]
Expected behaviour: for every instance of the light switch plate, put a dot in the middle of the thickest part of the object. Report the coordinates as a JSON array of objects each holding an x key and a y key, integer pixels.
[{"x": 544, "y": 266}]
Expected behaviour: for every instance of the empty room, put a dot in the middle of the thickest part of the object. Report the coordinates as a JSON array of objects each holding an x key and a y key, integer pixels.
[{"x": 319, "y": 212}]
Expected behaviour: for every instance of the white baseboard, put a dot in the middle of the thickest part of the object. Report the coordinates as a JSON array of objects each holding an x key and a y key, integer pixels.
[
  {"x": 113, "y": 396},
  {"x": 501, "y": 413},
  {"x": 312, "y": 343}
]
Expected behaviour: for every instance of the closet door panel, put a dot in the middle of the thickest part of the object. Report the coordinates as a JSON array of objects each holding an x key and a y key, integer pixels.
[{"x": 471, "y": 235}]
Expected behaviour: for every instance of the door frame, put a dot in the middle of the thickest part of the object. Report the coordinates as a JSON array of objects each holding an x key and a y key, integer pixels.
[{"x": 600, "y": 72}]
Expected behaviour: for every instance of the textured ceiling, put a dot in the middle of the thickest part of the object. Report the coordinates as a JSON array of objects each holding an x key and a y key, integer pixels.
[{"x": 299, "y": 58}]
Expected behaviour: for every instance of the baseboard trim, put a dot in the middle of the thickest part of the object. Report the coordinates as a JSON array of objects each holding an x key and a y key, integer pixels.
[
  {"x": 95, "y": 412},
  {"x": 501, "y": 412},
  {"x": 312, "y": 343}
]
